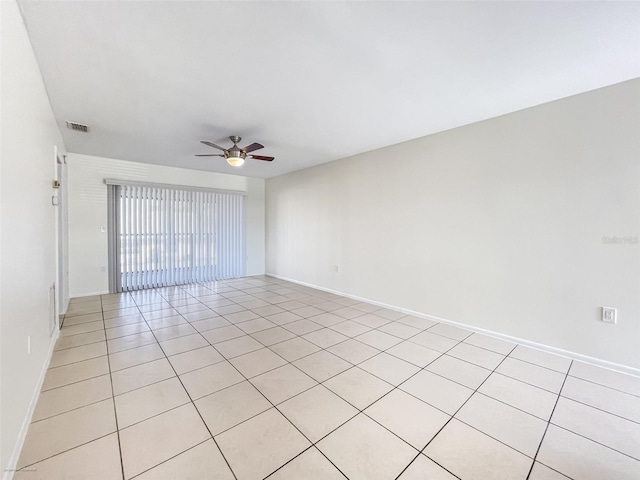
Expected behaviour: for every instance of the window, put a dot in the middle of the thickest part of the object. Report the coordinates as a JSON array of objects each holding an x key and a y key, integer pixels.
[{"x": 164, "y": 236}]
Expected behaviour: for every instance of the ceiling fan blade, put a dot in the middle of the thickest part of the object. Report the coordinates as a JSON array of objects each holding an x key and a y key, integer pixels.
[
  {"x": 253, "y": 147},
  {"x": 213, "y": 145},
  {"x": 210, "y": 155},
  {"x": 260, "y": 157}
]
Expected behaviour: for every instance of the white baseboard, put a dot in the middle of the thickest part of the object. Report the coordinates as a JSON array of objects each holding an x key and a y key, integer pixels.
[
  {"x": 15, "y": 454},
  {"x": 90, "y": 294},
  {"x": 547, "y": 348}
]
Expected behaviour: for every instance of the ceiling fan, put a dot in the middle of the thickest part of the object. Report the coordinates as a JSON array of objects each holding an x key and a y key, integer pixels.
[{"x": 236, "y": 155}]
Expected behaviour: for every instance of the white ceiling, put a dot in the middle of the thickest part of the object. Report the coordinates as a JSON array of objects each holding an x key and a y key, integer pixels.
[{"x": 312, "y": 81}]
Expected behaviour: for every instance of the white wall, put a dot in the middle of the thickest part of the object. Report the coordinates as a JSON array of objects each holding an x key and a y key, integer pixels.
[
  {"x": 498, "y": 224},
  {"x": 88, "y": 246},
  {"x": 28, "y": 252}
]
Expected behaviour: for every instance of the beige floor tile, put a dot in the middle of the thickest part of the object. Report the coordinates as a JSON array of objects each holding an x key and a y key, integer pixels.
[
  {"x": 371, "y": 320},
  {"x": 399, "y": 330},
  {"x": 255, "y": 363},
  {"x": 328, "y": 306},
  {"x": 350, "y": 328},
  {"x": 228, "y": 407},
  {"x": 476, "y": 355},
  {"x": 141, "y": 375},
  {"x": 197, "y": 307},
  {"x": 580, "y": 458},
  {"x": 353, "y": 351},
  {"x": 294, "y": 349},
  {"x": 282, "y": 383},
  {"x": 183, "y": 344},
  {"x": 209, "y": 324},
  {"x": 322, "y": 365},
  {"x": 122, "y": 312},
  {"x": 470, "y": 454},
  {"x": 417, "y": 322},
  {"x": 166, "y": 322},
  {"x": 267, "y": 310},
  {"x": 608, "y": 378},
  {"x": 424, "y": 469},
  {"x": 80, "y": 339},
  {"x": 124, "y": 330},
  {"x": 348, "y": 313},
  {"x": 272, "y": 336},
  {"x": 155, "y": 306},
  {"x": 302, "y": 327},
  {"x": 73, "y": 319},
  {"x": 542, "y": 472},
  {"x": 77, "y": 354},
  {"x": 130, "y": 341},
  {"x": 437, "y": 391},
  {"x": 523, "y": 396},
  {"x": 201, "y": 315},
  {"x": 389, "y": 368},
  {"x": 291, "y": 305},
  {"x": 310, "y": 464},
  {"x": 176, "y": 331},
  {"x": 326, "y": 319},
  {"x": 256, "y": 325},
  {"x": 200, "y": 462},
  {"x": 325, "y": 337},
  {"x": 532, "y": 374},
  {"x": 358, "y": 387},
  {"x": 317, "y": 412},
  {"x": 414, "y": 353},
  {"x": 433, "y": 341},
  {"x": 96, "y": 460},
  {"x": 82, "y": 328},
  {"x": 259, "y": 446},
  {"x": 544, "y": 359},
  {"x": 449, "y": 331},
  {"x": 223, "y": 334},
  {"x": 75, "y": 372},
  {"x": 604, "y": 398},
  {"x": 70, "y": 397},
  {"x": 308, "y": 311},
  {"x": 411, "y": 419},
  {"x": 283, "y": 318},
  {"x": 207, "y": 380},
  {"x": 135, "y": 356},
  {"x": 158, "y": 314},
  {"x": 602, "y": 427},
  {"x": 146, "y": 444},
  {"x": 241, "y": 317},
  {"x": 257, "y": 303},
  {"x": 68, "y": 430},
  {"x": 238, "y": 346},
  {"x": 146, "y": 402},
  {"x": 490, "y": 343},
  {"x": 365, "y": 307},
  {"x": 229, "y": 309},
  {"x": 194, "y": 359},
  {"x": 389, "y": 314},
  {"x": 378, "y": 339},
  {"x": 515, "y": 428},
  {"x": 459, "y": 371},
  {"x": 364, "y": 450}
]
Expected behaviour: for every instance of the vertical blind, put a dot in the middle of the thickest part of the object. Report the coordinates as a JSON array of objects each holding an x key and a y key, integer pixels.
[{"x": 166, "y": 236}]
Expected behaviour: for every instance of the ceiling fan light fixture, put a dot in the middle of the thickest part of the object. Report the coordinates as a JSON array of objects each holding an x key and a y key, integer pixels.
[{"x": 235, "y": 161}]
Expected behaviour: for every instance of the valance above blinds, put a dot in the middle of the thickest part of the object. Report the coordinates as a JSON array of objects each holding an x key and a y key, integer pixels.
[{"x": 167, "y": 236}]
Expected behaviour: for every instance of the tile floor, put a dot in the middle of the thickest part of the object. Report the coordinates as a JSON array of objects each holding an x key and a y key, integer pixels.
[{"x": 256, "y": 378}]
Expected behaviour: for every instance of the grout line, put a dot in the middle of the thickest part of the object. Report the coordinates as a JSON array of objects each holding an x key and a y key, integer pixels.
[
  {"x": 549, "y": 422},
  {"x": 113, "y": 400}
]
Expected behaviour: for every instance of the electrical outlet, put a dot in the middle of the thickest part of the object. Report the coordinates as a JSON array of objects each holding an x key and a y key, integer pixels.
[{"x": 609, "y": 315}]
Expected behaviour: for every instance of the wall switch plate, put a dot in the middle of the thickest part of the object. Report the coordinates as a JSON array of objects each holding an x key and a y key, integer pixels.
[{"x": 609, "y": 315}]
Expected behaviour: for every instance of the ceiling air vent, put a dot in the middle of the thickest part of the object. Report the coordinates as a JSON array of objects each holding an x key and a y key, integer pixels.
[{"x": 78, "y": 127}]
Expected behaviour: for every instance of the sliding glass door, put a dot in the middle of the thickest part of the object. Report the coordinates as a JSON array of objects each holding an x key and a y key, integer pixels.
[{"x": 166, "y": 236}]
